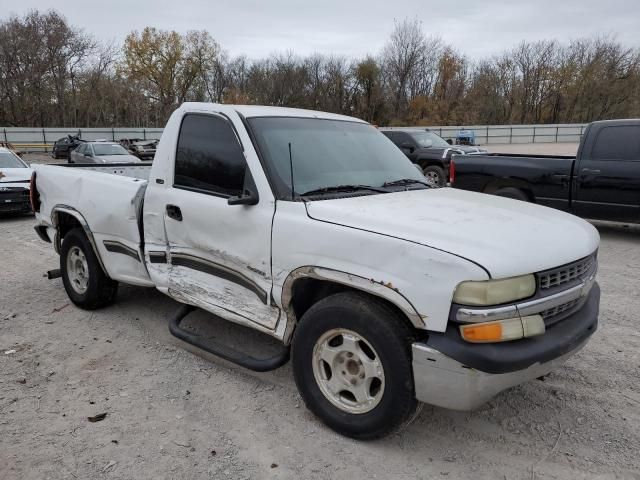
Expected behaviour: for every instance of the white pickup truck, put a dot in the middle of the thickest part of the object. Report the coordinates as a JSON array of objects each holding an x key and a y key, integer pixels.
[{"x": 315, "y": 229}]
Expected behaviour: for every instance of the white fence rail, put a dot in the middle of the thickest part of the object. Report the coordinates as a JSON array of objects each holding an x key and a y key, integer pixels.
[
  {"x": 42, "y": 139},
  {"x": 503, "y": 134}
]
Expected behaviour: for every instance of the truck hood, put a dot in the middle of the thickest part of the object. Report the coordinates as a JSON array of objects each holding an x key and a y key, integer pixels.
[
  {"x": 506, "y": 237},
  {"x": 19, "y": 175}
]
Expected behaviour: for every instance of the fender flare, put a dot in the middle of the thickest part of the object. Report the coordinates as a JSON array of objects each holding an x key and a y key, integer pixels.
[
  {"x": 374, "y": 287},
  {"x": 60, "y": 208}
]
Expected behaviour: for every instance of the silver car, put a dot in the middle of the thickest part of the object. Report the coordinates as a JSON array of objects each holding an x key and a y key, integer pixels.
[{"x": 101, "y": 152}]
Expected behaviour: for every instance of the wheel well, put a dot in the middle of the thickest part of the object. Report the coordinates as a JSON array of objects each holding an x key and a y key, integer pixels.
[
  {"x": 308, "y": 291},
  {"x": 65, "y": 223},
  {"x": 428, "y": 162},
  {"x": 510, "y": 183}
]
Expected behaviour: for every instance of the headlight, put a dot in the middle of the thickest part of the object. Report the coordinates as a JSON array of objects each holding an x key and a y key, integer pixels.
[{"x": 495, "y": 292}]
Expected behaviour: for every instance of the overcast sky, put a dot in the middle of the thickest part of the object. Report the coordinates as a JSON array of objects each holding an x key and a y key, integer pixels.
[{"x": 350, "y": 27}]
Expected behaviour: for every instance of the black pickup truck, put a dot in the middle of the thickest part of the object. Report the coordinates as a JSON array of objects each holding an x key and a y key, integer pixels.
[
  {"x": 601, "y": 182},
  {"x": 428, "y": 150}
]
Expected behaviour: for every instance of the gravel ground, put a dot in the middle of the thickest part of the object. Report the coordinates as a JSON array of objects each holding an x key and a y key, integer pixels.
[{"x": 172, "y": 413}]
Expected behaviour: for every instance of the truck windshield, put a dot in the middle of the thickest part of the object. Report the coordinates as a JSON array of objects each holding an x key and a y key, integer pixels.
[
  {"x": 429, "y": 139},
  {"x": 9, "y": 160},
  {"x": 109, "y": 149},
  {"x": 328, "y": 153}
]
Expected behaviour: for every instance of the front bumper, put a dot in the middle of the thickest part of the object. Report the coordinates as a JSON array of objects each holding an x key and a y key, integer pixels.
[{"x": 451, "y": 373}]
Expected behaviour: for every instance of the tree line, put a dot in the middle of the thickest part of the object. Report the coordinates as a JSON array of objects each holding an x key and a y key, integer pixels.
[{"x": 53, "y": 74}]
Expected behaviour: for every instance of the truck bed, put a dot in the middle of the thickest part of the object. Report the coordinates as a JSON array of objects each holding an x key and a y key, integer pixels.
[
  {"x": 108, "y": 198},
  {"x": 545, "y": 178},
  {"x": 139, "y": 170}
]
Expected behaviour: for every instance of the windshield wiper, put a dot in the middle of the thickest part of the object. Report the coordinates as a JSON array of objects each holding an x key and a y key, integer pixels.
[
  {"x": 405, "y": 181},
  {"x": 344, "y": 188}
]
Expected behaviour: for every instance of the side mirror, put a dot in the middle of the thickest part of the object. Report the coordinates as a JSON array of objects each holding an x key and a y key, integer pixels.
[
  {"x": 407, "y": 146},
  {"x": 449, "y": 141},
  {"x": 428, "y": 144},
  {"x": 248, "y": 197}
]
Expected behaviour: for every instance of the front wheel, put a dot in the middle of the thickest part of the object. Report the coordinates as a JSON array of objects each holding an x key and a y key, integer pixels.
[
  {"x": 84, "y": 280},
  {"x": 435, "y": 175},
  {"x": 352, "y": 364}
]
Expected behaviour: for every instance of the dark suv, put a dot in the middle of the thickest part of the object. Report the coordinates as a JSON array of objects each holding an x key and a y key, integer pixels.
[
  {"x": 63, "y": 147},
  {"x": 429, "y": 150}
]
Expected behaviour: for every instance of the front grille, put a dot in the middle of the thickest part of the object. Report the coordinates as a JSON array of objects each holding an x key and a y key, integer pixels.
[
  {"x": 555, "y": 314},
  {"x": 565, "y": 274},
  {"x": 14, "y": 199}
]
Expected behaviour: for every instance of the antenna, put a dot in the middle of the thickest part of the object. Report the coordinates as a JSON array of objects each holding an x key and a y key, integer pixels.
[{"x": 291, "y": 168}]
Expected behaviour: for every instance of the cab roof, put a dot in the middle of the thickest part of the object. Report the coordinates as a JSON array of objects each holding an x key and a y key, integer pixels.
[{"x": 252, "y": 111}]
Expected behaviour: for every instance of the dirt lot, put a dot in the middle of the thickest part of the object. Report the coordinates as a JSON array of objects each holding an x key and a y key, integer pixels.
[{"x": 174, "y": 414}]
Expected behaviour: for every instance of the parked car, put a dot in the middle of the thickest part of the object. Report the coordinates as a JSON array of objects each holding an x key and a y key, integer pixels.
[
  {"x": 143, "y": 149},
  {"x": 314, "y": 229},
  {"x": 102, "y": 152},
  {"x": 15, "y": 176},
  {"x": 428, "y": 150},
  {"x": 601, "y": 182},
  {"x": 65, "y": 145}
]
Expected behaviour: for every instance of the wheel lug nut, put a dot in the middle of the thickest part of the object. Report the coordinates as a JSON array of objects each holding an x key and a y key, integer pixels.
[
  {"x": 362, "y": 375},
  {"x": 349, "y": 354},
  {"x": 353, "y": 381},
  {"x": 344, "y": 373}
]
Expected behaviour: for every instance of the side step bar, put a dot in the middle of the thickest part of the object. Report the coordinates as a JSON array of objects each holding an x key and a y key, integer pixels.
[{"x": 224, "y": 351}]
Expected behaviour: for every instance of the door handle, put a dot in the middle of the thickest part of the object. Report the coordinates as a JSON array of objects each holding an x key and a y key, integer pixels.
[
  {"x": 590, "y": 170},
  {"x": 173, "y": 211}
]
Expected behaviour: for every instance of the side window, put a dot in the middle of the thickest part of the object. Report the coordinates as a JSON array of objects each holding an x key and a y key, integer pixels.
[
  {"x": 209, "y": 157},
  {"x": 402, "y": 137},
  {"x": 617, "y": 143},
  {"x": 389, "y": 135}
]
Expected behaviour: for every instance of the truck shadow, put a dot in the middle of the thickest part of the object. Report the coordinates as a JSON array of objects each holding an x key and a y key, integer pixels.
[{"x": 617, "y": 231}]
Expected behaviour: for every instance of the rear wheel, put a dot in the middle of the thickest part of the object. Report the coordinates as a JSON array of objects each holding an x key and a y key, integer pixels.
[
  {"x": 512, "y": 192},
  {"x": 352, "y": 365},
  {"x": 435, "y": 175},
  {"x": 84, "y": 280}
]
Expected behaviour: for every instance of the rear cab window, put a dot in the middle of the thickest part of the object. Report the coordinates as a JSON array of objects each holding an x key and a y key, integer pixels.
[{"x": 617, "y": 142}]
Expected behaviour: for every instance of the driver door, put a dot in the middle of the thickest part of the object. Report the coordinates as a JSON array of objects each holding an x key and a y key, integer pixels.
[{"x": 219, "y": 254}]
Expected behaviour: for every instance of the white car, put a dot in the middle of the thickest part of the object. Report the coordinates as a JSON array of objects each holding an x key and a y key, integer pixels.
[
  {"x": 101, "y": 152},
  {"x": 15, "y": 176},
  {"x": 315, "y": 229}
]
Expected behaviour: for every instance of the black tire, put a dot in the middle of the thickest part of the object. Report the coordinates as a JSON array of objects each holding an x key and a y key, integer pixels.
[
  {"x": 100, "y": 289},
  {"x": 390, "y": 338},
  {"x": 512, "y": 192},
  {"x": 436, "y": 174}
]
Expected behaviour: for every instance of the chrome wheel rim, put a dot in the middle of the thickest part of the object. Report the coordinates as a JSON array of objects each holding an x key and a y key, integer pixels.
[
  {"x": 348, "y": 371},
  {"x": 432, "y": 178},
  {"x": 77, "y": 270}
]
